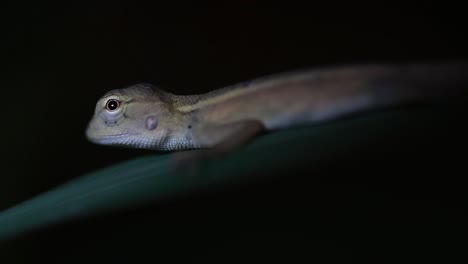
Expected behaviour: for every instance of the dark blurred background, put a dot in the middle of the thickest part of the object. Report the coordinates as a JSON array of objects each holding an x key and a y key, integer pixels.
[{"x": 58, "y": 59}]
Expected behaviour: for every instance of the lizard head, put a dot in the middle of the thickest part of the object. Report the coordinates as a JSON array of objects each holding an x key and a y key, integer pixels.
[{"x": 138, "y": 116}]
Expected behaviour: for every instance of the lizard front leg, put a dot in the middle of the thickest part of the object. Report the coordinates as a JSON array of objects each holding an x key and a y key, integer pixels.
[
  {"x": 227, "y": 137},
  {"x": 218, "y": 139}
]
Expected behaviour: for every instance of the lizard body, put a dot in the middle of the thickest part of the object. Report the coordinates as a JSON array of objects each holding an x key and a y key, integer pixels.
[{"x": 144, "y": 116}]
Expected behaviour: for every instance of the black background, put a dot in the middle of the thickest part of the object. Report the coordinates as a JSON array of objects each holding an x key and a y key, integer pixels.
[{"x": 58, "y": 59}]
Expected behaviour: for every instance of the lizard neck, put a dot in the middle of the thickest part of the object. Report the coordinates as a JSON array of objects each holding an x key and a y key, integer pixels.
[
  {"x": 192, "y": 103},
  {"x": 178, "y": 129},
  {"x": 179, "y": 102}
]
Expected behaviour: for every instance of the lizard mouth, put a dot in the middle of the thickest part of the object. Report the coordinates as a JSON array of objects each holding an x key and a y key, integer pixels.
[{"x": 112, "y": 138}]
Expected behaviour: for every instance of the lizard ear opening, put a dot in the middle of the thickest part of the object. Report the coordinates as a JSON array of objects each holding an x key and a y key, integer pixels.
[{"x": 151, "y": 122}]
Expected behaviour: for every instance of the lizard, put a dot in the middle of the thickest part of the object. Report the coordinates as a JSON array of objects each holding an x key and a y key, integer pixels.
[{"x": 146, "y": 116}]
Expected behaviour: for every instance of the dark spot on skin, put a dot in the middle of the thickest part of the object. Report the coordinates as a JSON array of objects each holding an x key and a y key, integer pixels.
[
  {"x": 151, "y": 122},
  {"x": 190, "y": 126}
]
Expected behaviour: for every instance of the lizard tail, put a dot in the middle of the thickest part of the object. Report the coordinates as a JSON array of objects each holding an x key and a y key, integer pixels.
[{"x": 422, "y": 82}]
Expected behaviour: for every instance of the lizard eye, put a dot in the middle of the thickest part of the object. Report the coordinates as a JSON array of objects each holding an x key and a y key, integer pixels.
[{"x": 112, "y": 105}]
